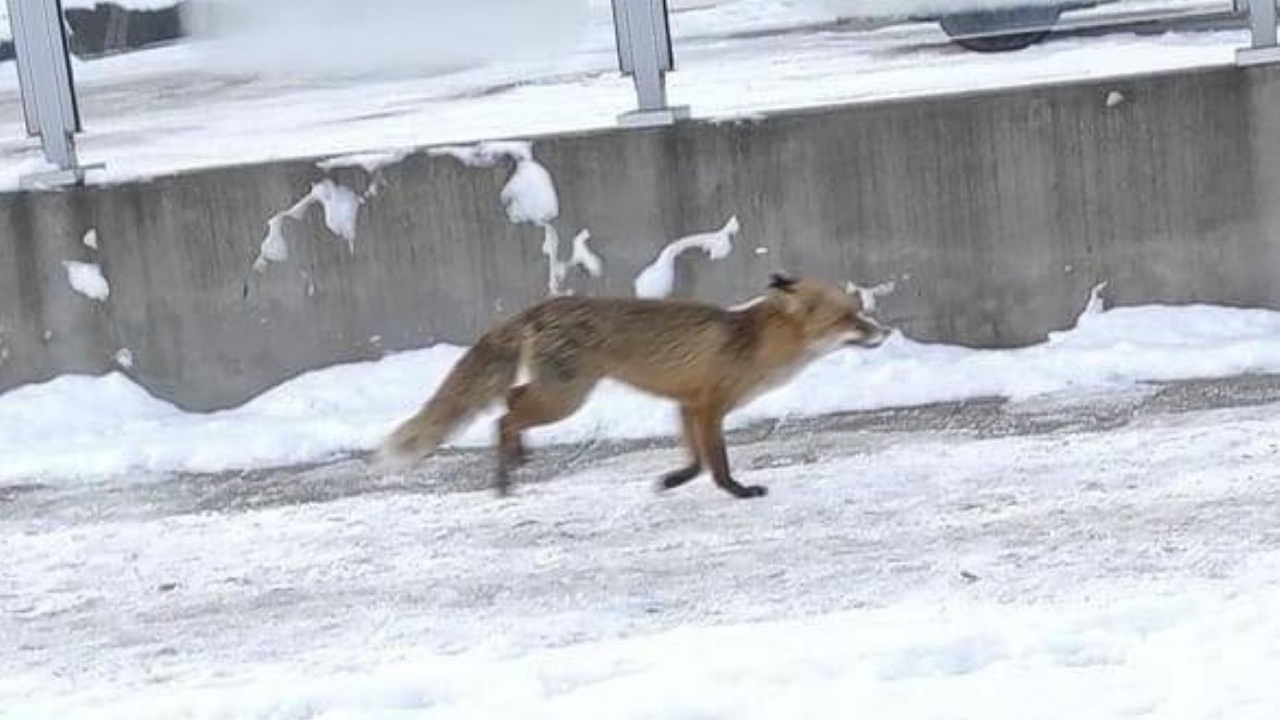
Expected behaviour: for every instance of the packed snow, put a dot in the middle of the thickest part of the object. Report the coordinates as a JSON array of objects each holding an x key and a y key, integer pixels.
[
  {"x": 658, "y": 278},
  {"x": 868, "y": 295},
  {"x": 584, "y": 257},
  {"x": 580, "y": 255},
  {"x": 370, "y": 162},
  {"x": 341, "y": 208},
  {"x": 530, "y": 195},
  {"x": 87, "y": 279},
  {"x": 96, "y": 427},
  {"x": 1204, "y": 652},
  {"x": 486, "y": 154}
]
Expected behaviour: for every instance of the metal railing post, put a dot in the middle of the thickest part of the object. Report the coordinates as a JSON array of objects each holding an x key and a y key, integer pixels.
[
  {"x": 644, "y": 52},
  {"x": 48, "y": 90},
  {"x": 1262, "y": 26}
]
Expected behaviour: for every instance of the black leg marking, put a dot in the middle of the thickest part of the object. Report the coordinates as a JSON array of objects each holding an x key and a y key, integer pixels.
[
  {"x": 676, "y": 478},
  {"x": 711, "y": 439},
  {"x": 689, "y": 434}
]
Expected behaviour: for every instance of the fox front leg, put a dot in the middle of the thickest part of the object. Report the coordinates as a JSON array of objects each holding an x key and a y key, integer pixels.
[{"x": 711, "y": 442}]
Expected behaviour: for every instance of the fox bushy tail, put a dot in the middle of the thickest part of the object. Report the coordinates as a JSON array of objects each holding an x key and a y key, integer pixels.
[{"x": 483, "y": 374}]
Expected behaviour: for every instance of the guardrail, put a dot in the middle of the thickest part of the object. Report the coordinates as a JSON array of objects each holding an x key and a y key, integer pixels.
[
  {"x": 1262, "y": 25},
  {"x": 643, "y": 36}
]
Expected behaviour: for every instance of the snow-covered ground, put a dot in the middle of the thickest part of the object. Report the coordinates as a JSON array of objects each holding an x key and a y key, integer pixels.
[
  {"x": 91, "y": 428},
  {"x": 192, "y": 105},
  {"x": 1128, "y": 569},
  {"x": 1094, "y": 547}
]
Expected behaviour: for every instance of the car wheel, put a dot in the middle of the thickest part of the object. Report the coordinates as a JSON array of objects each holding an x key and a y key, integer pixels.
[{"x": 1000, "y": 30}]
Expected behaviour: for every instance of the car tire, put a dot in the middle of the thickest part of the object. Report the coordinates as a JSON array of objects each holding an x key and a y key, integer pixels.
[{"x": 1000, "y": 30}]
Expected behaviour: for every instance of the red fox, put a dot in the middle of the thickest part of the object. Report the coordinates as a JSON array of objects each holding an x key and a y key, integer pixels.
[{"x": 708, "y": 359}]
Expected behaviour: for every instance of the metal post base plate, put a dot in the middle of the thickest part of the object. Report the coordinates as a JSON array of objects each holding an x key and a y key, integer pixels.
[
  {"x": 54, "y": 179},
  {"x": 1246, "y": 57},
  {"x": 654, "y": 118}
]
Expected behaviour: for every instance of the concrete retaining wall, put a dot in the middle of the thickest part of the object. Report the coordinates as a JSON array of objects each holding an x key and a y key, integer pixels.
[{"x": 994, "y": 213}]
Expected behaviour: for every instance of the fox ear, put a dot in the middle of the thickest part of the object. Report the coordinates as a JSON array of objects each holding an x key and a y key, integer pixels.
[{"x": 779, "y": 281}]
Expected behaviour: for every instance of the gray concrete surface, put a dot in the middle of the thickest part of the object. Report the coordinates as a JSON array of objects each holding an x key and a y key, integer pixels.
[{"x": 993, "y": 212}]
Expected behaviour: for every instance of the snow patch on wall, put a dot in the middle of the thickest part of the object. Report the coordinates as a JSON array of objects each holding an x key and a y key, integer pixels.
[
  {"x": 87, "y": 279},
  {"x": 868, "y": 295},
  {"x": 580, "y": 256},
  {"x": 529, "y": 197},
  {"x": 341, "y": 208},
  {"x": 657, "y": 280}
]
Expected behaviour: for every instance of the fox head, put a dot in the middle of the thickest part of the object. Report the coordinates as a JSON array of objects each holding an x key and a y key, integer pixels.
[{"x": 829, "y": 318}]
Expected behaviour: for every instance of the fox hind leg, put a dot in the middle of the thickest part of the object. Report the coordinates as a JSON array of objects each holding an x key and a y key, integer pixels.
[
  {"x": 529, "y": 406},
  {"x": 511, "y": 448},
  {"x": 676, "y": 478}
]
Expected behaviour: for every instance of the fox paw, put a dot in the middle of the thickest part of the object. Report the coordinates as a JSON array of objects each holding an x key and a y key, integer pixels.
[{"x": 753, "y": 491}]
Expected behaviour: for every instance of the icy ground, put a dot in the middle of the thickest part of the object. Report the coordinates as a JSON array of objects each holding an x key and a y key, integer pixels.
[
  {"x": 165, "y": 110},
  {"x": 1103, "y": 556}
]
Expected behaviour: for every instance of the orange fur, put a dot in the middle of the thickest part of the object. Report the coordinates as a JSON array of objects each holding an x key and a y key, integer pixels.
[{"x": 707, "y": 359}]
